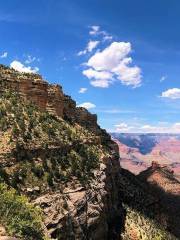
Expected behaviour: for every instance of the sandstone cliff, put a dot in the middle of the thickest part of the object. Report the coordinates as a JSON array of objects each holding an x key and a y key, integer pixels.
[
  {"x": 57, "y": 155},
  {"x": 46, "y": 96}
]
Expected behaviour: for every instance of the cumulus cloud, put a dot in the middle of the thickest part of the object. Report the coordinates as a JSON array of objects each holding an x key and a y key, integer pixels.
[
  {"x": 87, "y": 105},
  {"x": 98, "y": 78},
  {"x": 4, "y": 55},
  {"x": 110, "y": 57},
  {"x": 128, "y": 75},
  {"x": 173, "y": 93},
  {"x": 22, "y": 68},
  {"x": 148, "y": 128},
  {"x": 82, "y": 90},
  {"x": 103, "y": 83},
  {"x": 89, "y": 48},
  {"x": 113, "y": 63}
]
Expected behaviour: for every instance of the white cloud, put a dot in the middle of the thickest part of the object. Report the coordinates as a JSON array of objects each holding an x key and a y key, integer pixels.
[
  {"x": 128, "y": 75},
  {"x": 176, "y": 127},
  {"x": 147, "y": 128},
  {"x": 98, "y": 78},
  {"x": 82, "y": 90},
  {"x": 103, "y": 83},
  {"x": 30, "y": 59},
  {"x": 107, "y": 37},
  {"x": 94, "y": 30},
  {"x": 90, "y": 46},
  {"x": 4, "y": 55},
  {"x": 22, "y": 68},
  {"x": 110, "y": 57},
  {"x": 93, "y": 74},
  {"x": 123, "y": 127},
  {"x": 82, "y": 52},
  {"x": 173, "y": 93},
  {"x": 87, "y": 105},
  {"x": 114, "y": 63},
  {"x": 163, "y": 78}
]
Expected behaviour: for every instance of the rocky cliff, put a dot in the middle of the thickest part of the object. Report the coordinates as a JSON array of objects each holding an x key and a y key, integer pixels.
[
  {"x": 56, "y": 154},
  {"x": 60, "y": 176},
  {"x": 46, "y": 96}
]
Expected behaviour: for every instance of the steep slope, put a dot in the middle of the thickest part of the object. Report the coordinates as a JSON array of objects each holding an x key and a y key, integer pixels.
[
  {"x": 145, "y": 217},
  {"x": 64, "y": 163},
  {"x": 166, "y": 188}
]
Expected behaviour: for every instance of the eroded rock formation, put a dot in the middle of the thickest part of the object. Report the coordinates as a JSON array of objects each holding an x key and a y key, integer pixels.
[{"x": 46, "y": 96}]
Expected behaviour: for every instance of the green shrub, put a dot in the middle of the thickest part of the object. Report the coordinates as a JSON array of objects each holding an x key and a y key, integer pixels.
[
  {"x": 20, "y": 218},
  {"x": 3, "y": 175},
  {"x": 38, "y": 171},
  {"x": 50, "y": 179}
]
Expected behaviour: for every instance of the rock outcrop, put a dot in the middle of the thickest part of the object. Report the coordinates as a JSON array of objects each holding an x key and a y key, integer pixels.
[
  {"x": 165, "y": 187},
  {"x": 46, "y": 96},
  {"x": 87, "y": 213},
  {"x": 63, "y": 161}
]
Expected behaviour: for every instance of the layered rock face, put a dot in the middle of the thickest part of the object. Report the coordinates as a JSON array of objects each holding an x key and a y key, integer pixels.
[
  {"x": 69, "y": 165},
  {"x": 88, "y": 213},
  {"x": 46, "y": 96},
  {"x": 55, "y": 100},
  {"x": 29, "y": 86}
]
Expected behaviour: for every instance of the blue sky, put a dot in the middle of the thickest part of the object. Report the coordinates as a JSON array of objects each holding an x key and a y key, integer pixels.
[{"x": 121, "y": 59}]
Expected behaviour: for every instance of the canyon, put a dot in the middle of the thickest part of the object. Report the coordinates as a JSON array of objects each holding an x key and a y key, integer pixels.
[
  {"x": 60, "y": 174},
  {"x": 138, "y": 151}
]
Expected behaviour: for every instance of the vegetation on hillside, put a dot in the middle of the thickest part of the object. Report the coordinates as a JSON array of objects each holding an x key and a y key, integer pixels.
[
  {"x": 44, "y": 147},
  {"x": 20, "y": 218},
  {"x": 145, "y": 219},
  {"x": 39, "y": 150},
  {"x": 140, "y": 227},
  {"x": 42, "y": 153}
]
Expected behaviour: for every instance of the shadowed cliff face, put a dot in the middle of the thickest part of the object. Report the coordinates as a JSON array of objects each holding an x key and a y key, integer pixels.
[
  {"x": 166, "y": 188},
  {"x": 151, "y": 209}
]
